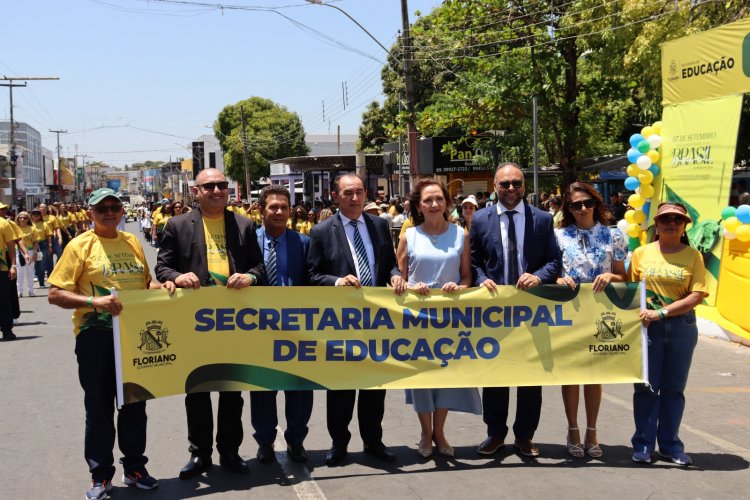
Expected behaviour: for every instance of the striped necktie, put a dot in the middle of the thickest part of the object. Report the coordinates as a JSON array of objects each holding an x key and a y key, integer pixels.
[
  {"x": 272, "y": 271},
  {"x": 365, "y": 275}
]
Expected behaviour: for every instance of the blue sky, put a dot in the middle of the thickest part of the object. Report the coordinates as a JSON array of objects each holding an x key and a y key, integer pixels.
[{"x": 131, "y": 68}]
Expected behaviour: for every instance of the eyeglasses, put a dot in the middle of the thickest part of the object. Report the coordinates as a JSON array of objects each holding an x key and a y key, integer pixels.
[
  {"x": 103, "y": 209},
  {"x": 507, "y": 184},
  {"x": 578, "y": 205},
  {"x": 672, "y": 218},
  {"x": 210, "y": 186}
]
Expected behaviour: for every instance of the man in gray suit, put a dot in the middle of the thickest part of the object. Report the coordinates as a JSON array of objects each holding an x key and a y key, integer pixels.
[{"x": 285, "y": 257}]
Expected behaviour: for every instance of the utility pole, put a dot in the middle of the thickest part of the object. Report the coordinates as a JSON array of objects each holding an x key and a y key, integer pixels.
[
  {"x": 244, "y": 155},
  {"x": 81, "y": 189},
  {"x": 409, "y": 83},
  {"x": 12, "y": 143},
  {"x": 59, "y": 164}
]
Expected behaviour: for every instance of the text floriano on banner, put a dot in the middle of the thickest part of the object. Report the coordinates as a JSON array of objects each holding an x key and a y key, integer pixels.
[{"x": 343, "y": 338}]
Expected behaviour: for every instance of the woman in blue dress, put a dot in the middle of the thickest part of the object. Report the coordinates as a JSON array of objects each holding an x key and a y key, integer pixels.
[
  {"x": 435, "y": 254},
  {"x": 591, "y": 253}
]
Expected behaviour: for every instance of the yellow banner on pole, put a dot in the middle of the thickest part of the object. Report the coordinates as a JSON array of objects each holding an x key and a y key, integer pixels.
[
  {"x": 700, "y": 138},
  {"x": 343, "y": 338},
  {"x": 710, "y": 64}
]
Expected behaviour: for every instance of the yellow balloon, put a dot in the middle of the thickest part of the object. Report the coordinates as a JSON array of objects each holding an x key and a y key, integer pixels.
[
  {"x": 636, "y": 201},
  {"x": 731, "y": 224},
  {"x": 646, "y": 177},
  {"x": 639, "y": 216},
  {"x": 634, "y": 230},
  {"x": 657, "y": 128},
  {"x": 654, "y": 155},
  {"x": 629, "y": 216},
  {"x": 647, "y": 131},
  {"x": 743, "y": 233},
  {"x": 633, "y": 170},
  {"x": 646, "y": 191}
]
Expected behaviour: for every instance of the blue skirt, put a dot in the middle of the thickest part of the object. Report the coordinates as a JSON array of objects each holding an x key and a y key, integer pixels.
[{"x": 465, "y": 400}]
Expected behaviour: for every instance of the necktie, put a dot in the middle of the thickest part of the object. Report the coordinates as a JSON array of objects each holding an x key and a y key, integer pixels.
[
  {"x": 512, "y": 250},
  {"x": 271, "y": 269},
  {"x": 365, "y": 276}
]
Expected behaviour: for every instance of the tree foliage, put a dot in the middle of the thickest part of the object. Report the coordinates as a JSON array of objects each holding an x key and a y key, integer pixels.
[
  {"x": 272, "y": 132},
  {"x": 594, "y": 66}
]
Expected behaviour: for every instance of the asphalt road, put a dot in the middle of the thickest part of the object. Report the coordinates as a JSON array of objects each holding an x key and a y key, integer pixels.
[{"x": 42, "y": 424}]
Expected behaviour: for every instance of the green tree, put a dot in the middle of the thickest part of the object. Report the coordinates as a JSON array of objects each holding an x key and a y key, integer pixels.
[
  {"x": 272, "y": 131},
  {"x": 372, "y": 131}
]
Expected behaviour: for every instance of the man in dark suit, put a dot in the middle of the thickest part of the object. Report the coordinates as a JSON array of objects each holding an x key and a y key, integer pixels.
[
  {"x": 512, "y": 243},
  {"x": 355, "y": 249},
  {"x": 211, "y": 246},
  {"x": 285, "y": 258}
]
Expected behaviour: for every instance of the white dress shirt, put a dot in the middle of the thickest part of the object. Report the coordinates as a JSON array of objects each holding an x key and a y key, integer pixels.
[
  {"x": 366, "y": 241},
  {"x": 519, "y": 220}
]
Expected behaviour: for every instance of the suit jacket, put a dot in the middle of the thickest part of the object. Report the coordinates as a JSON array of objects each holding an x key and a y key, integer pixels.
[
  {"x": 183, "y": 248},
  {"x": 297, "y": 246},
  {"x": 541, "y": 255},
  {"x": 330, "y": 257}
]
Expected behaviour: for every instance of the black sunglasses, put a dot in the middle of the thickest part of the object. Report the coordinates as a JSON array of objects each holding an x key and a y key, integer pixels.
[
  {"x": 507, "y": 184},
  {"x": 210, "y": 186},
  {"x": 671, "y": 218},
  {"x": 578, "y": 205},
  {"x": 103, "y": 209}
]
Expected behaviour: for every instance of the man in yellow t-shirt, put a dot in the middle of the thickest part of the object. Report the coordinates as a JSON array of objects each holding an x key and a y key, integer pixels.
[
  {"x": 7, "y": 275},
  {"x": 211, "y": 246},
  {"x": 90, "y": 266}
]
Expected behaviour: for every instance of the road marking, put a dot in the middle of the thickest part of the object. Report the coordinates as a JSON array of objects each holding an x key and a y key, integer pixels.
[
  {"x": 303, "y": 484},
  {"x": 715, "y": 440}
]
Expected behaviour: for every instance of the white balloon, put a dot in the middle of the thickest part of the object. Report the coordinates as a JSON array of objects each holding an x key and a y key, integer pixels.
[
  {"x": 654, "y": 140},
  {"x": 729, "y": 236},
  {"x": 643, "y": 162},
  {"x": 622, "y": 225}
]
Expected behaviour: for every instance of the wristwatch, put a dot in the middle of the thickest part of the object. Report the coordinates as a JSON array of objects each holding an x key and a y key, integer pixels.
[
  {"x": 664, "y": 312},
  {"x": 253, "y": 278}
]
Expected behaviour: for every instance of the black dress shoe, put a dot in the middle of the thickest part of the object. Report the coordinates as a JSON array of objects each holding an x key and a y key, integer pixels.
[
  {"x": 335, "y": 456},
  {"x": 296, "y": 453},
  {"x": 196, "y": 466},
  {"x": 380, "y": 452},
  {"x": 234, "y": 463},
  {"x": 266, "y": 454}
]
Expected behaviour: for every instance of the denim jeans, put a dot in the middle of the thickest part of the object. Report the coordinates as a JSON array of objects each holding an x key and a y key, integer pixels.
[
  {"x": 658, "y": 409},
  {"x": 39, "y": 264}
]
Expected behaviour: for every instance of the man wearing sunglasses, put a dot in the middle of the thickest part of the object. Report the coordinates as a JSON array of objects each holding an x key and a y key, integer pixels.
[
  {"x": 211, "y": 246},
  {"x": 514, "y": 244}
]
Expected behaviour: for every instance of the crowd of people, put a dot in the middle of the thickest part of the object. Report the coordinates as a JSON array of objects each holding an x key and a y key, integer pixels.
[{"x": 418, "y": 244}]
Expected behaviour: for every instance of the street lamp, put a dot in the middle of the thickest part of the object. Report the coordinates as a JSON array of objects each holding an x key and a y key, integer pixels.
[{"x": 320, "y": 2}]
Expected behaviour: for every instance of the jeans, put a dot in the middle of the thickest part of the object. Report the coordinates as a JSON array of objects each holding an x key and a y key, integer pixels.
[
  {"x": 658, "y": 409},
  {"x": 263, "y": 415},
  {"x": 96, "y": 372},
  {"x": 40, "y": 263},
  {"x": 49, "y": 262}
]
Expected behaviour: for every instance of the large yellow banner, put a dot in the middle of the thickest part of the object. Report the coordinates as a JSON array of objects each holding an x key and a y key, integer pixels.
[
  {"x": 710, "y": 64},
  {"x": 343, "y": 338},
  {"x": 700, "y": 138}
]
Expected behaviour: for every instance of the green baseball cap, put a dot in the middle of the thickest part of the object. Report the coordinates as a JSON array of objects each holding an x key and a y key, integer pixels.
[{"x": 99, "y": 195}]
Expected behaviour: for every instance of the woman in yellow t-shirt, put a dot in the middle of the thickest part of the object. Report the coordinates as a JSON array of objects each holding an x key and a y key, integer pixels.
[
  {"x": 44, "y": 239},
  {"x": 307, "y": 225},
  {"x": 675, "y": 284},
  {"x": 160, "y": 222},
  {"x": 31, "y": 242},
  {"x": 91, "y": 264}
]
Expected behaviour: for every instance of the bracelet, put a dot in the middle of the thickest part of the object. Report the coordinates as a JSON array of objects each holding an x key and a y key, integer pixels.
[{"x": 90, "y": 301}]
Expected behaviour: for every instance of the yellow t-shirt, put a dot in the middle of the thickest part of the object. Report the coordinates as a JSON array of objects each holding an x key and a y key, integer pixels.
[
  {"x": 7, "y": 239},
  {"x": 216, "y": 249},
  {"x": 305, "y": 227},
  {"x": 91, "y": 265},
  {"x": 669, "y": 277},
  {"x": 43, "y": 230},
  {"x": 30, "y": 236},
  {"x": 406, "y": 225},
  {"x": 51, "y": 221},
  {"x": 16, "y": 229},
  {"x": 160, "y": 221}
]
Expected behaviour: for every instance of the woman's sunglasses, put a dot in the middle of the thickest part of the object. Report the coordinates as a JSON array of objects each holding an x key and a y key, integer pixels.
[
  {"x": 103, "y": 209},
  {"x": 578, "y": 205}
]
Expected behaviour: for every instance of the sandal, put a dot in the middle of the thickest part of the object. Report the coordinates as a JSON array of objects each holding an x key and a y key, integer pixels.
[
  {"x": 574, "y": 449},
  {"x": 593, "y": 450},
  {"x": 424, "y": 452}
]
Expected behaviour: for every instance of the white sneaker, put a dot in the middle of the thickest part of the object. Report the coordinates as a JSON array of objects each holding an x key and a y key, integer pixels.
[{"x": 31, "y": 293}]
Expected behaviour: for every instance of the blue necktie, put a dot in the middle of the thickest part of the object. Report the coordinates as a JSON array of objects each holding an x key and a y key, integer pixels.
[
  {"x": 512, "y": 250},
  {"x": 272, "y": 271},
  {"x": 365, "y": 276}
]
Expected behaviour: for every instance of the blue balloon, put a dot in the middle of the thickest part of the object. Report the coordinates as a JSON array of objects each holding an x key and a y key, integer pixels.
[
  {"x": 654, "y": 168},
  {"x": 635, "y": 139},
  {"x": 743, "y": 214},
  {"x": 633, "y": 155},
  {"x": 632, "y": 183},
  {"x": 646, "y": 208}
]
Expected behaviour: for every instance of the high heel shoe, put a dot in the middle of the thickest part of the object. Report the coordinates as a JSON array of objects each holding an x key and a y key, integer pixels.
[
  {"x": 424, "y": 451},
  {"x": 448, "y": 451},
  {"x": 574, "y": 449},
  {"x": 593, "y": 450}
]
